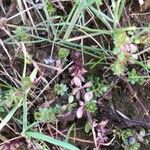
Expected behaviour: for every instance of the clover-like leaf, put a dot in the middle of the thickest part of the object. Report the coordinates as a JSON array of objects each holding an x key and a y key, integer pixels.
[
  {"x": 77, "y": 81},
  {"x": 80, "y": 111},
  {"x": 88, "y": 96}
]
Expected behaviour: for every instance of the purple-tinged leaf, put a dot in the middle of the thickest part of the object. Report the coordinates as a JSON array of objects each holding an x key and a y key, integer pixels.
[
  {"x": 77, "y": 81},
  {"x": 88, "y": 96},
  {"x": 75, "y": 90},
  {"x": 78, "y": 95},
  {"x": 81, "y": 103},
  {"x": 87, "y": 85},
  {"x": 79, "y": 112}
]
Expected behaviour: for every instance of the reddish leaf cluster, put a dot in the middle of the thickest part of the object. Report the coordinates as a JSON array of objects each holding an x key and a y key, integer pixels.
[
  {"x": 77, "y": 72},
  {"x": 77, "y": 69}
]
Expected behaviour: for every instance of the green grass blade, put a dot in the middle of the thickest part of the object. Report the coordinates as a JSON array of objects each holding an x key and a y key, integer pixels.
[
  {"x": 104, "y": 18},
  {"x": 121, "y": 9},
  {"x": 68, "y": 18},
  {"x": 9, "y": 116},
  {"x": 25, "y": 114},
  {"x": 72, "y": 24},
  {"x": 84, "y": 4},
  {"x": 40, "y": 136},
  {"x": 73, "y": 126},
  {"x": 117, "y": 10}
]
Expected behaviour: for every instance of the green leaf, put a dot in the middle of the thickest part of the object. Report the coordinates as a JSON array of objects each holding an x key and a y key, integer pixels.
[
  {"x": 21, "y": 34},
  {"x": 70, "y": 99},
  {"x": 91, "y": 106},
  {"x": 120, "y": 38},
  {"x": 60, "y": 89},
  {"x": 134, "y": 78},
  {"x": 63, "y": 53},
  {"x": 33, "y": 74},
  {"x": 46, "y": 114},
  {"x": 50, "y": 8},
  {"x": 121, "y": 56},
  {"x": 9, "y": 116},
  {"x": 116, "y": 51},
  {"x": 25, "y": 112},
  {"x": 26, "y": 83},
  {"x": 72, "y": 128},
  {"x": 87, "y": 127},
  {"x": 46, "y": 138},
  {"x": 118, "y": 68}
]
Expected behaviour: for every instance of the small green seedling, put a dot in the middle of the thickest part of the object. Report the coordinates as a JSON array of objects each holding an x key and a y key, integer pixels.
[
  {"x": 21, "y": 34},
  {"x": 50, "y": 8},
  {"x": 99, "y": 87},
  {"x": 129, "y": 140},
  {"x": 63, "y": 53},
  {"x": 60, "y": 89},
  {"x": 47, "y": 114},
  {"x": 91, "y": 106},
  {"x": 134, "y": 78}
]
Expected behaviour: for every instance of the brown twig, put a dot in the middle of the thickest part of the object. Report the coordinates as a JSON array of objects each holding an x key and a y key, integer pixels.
[{"x": 134, "y": 95}]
